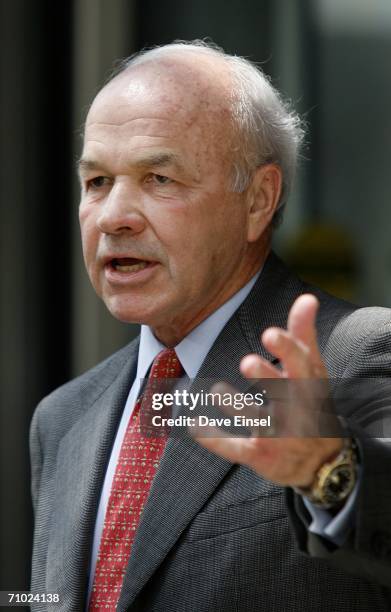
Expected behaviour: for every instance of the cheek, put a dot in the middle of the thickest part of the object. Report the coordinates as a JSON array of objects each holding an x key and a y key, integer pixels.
[
  {"x": 174, "y": 232},
  {"x": 196, "y": 244},
  {"x": 195, "y": 259}
]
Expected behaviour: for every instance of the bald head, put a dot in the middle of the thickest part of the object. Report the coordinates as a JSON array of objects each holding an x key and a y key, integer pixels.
[
  {"x": 190, "y": 88},
  {"x": 202, "y": 75}
]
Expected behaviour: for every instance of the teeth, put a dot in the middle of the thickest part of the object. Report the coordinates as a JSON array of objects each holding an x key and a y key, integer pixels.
[{"x": 132, "y": 268}]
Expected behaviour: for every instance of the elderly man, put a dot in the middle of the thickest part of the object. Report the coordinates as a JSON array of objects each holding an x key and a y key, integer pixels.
[{"x": 188, "y": 159}]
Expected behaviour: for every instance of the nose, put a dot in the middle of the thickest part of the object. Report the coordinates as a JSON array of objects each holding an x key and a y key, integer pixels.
[{"x": 120, "y": 212}]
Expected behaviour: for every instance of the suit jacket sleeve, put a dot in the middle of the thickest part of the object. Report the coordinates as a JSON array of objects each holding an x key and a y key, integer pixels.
[{"x": 367, "y": 548}]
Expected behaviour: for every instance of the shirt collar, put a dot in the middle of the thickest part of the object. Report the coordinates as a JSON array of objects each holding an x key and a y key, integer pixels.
[{"x": 193, "y": 349}]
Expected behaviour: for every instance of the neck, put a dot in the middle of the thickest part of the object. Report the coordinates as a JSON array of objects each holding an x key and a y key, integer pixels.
[{"x": 171, "y": 335}]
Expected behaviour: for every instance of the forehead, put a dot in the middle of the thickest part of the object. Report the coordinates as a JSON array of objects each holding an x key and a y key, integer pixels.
[
  {"x": 185, "y": 84},
  {"x": 160, "y": 101}
]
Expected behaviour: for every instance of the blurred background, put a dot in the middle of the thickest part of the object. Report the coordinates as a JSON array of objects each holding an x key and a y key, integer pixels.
[{"x": 331, "y": 58}]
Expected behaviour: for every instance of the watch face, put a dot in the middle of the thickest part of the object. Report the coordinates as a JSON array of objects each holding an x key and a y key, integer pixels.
[{"x": 339, "y": 483}]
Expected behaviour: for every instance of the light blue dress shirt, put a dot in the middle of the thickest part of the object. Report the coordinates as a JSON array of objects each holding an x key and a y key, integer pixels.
[{"x": 191, "y": 352}]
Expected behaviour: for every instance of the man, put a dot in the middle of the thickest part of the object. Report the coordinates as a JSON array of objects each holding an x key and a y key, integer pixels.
[{"x": 188, "y": 158}]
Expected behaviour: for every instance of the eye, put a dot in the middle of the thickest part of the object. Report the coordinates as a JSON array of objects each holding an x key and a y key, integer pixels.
[
  {"x": 97, "y": 182},
  {"x": 160, "y": 179}
]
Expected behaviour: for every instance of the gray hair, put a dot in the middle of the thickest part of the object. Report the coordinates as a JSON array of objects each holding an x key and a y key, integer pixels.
[{"x": 268, "y": 130}]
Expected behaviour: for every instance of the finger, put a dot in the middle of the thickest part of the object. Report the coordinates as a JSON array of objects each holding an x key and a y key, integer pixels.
[
  {"x": 293, "y": 354},
  {"x": 255, "y": 366},
  {"x": 301, "y": 323}
]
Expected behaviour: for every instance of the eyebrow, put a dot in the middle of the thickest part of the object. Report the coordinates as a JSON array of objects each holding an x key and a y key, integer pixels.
[{"x": 152, "y": 160}]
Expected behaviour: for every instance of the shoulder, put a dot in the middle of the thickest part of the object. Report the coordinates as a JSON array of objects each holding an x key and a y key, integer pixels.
[
  {"x": 63, "y": 406},
  {"x": 361, "y": 342},
  {"x": 348, "y": 332}
]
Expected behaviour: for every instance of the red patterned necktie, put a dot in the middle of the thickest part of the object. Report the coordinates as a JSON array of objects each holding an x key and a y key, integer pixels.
[{"x": 137, "y": 464}]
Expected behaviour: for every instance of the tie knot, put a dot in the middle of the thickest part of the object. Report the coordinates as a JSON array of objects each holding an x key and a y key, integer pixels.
[{"x": 166, "y": 365}]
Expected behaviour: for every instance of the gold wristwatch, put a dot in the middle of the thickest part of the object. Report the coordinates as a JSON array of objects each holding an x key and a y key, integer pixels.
[{"x": 335, "y": 479}]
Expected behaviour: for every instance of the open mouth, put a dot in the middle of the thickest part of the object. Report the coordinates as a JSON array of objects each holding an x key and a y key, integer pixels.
[{"x": 129, "y": 264}]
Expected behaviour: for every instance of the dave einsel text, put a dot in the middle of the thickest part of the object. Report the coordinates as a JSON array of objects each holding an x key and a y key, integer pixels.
[
  {"x": 202, "y": 398},
  {"x": 205, "y": 421}
]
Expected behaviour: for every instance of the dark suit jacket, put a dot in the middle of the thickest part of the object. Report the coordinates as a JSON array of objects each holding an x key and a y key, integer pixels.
[{"x": 214, "y": 537}]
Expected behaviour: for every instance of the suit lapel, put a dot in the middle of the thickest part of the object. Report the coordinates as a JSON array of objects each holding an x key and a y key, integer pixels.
[
  {"x": 269, "y": 303},
  {"x": 81, "y": 464}
]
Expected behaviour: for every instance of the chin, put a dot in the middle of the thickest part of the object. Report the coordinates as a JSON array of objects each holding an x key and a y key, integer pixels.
[
  {"x": 124, "y": 313},
  {"x": 128, "y": 310}
]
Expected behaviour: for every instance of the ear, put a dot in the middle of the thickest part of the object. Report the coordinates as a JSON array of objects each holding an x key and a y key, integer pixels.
[{"x": 263, "y": 196}]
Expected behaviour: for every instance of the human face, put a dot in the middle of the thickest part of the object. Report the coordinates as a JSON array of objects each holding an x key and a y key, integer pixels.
[{"x": 164, "y": 239}]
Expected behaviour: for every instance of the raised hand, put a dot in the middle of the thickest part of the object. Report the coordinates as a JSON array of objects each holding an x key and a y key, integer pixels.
[{"x": 287, "y": 460}]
